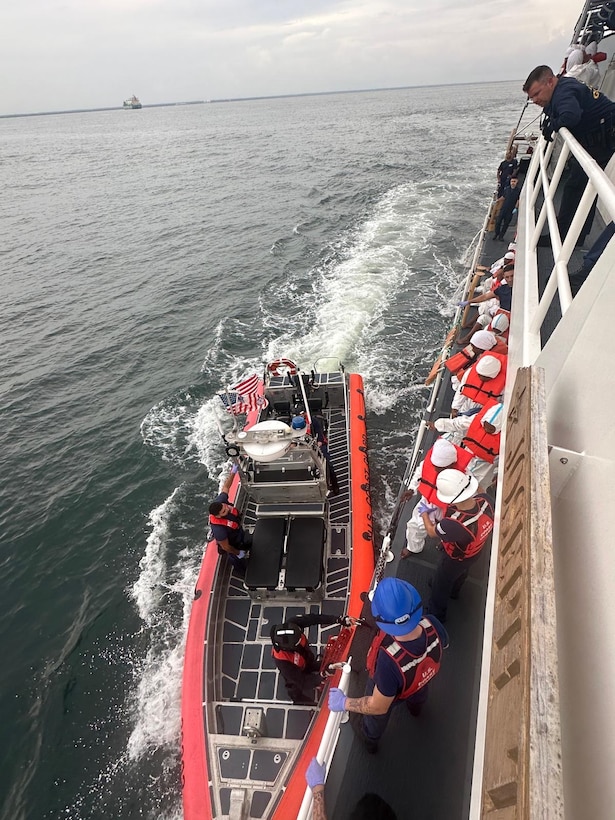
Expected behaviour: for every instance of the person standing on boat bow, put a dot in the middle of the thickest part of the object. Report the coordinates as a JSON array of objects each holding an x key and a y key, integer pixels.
[
  {"x": 226, "y": 528},
  {"x": 590, "y": 118},
  {"x": 403, "y": 658},
  {"x": 295, "y": 660}
]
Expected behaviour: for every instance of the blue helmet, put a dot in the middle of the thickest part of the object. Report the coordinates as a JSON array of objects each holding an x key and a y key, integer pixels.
[
  {"x": 298, "y": 423},
  {"x": 396, "y": 606}
]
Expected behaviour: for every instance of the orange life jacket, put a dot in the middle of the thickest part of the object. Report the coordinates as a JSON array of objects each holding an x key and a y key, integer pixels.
[
  {"x": 226, "y": 522},
  {"x": 481, "y": 391},
  {"x": 462, "y": 360},
  {"x": 481, "y": 443},
  {"x": 298, "y": 659},
  {"x": 478, "y": 522},
  {"x": 416, "y": 670},
  {"x": 429, "y": 474}
]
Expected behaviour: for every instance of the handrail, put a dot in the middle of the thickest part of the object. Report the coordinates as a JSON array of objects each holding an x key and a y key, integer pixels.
[
  {"x": 328, "y": 742},
  {"x": 538, "y": 181}
]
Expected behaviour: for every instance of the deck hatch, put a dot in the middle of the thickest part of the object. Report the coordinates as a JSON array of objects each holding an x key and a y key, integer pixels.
[{"x": 306, "y": 542}]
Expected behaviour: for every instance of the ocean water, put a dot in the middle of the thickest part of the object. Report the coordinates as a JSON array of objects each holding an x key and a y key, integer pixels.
[{"x": 149, "y": 258}]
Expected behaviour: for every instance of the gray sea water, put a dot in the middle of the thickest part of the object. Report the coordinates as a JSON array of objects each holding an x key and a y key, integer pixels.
[{"x": 149, "y": 258}]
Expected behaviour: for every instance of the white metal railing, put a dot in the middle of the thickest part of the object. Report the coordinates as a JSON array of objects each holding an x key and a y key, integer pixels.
[
  {"x": 328, "y": 742},
  {"x": 538, "y": 182}
]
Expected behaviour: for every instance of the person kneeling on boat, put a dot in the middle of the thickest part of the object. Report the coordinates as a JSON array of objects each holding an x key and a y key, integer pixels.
[
  {"x": 403, "y": 658},
  {"x": 443, "y": 454},
  {"x": 294, "y": 658},
  {"x": 463, "y": 531},
  {"x": 226, "y": 528}
]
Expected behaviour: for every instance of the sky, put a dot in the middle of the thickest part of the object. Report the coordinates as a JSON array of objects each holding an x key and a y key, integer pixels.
[{"x": 68, "y": 54}]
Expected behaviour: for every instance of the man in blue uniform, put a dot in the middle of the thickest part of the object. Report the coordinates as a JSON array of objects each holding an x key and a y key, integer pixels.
[
  {"x": 511, "y": 197},
  {"x": 589, "y": 116},
  {"x": 404, "y": 656},
  {"x": 226, "y": 529},
  {"x": 464, "y": 530}
]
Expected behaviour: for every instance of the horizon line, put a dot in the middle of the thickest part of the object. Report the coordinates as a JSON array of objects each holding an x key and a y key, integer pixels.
[{"x": 247, "y": 99}]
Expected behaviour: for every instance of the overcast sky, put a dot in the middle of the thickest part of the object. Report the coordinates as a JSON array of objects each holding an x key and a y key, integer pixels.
[{"x": 63, "y": 54}]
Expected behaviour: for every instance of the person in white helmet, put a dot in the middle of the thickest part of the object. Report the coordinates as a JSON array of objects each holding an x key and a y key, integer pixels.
[
  {"x": 443, "y": 454},
  {"x": 467, "y": 523}
]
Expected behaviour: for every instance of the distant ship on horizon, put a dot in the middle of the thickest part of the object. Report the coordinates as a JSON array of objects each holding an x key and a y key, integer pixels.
[{"x": 132, "y": 102}]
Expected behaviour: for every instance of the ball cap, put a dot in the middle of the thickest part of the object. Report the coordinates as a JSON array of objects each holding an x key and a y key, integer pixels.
[{"x": 397, "y": 607}]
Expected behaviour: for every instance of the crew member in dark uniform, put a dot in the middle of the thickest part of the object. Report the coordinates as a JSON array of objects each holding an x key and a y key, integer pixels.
[
  {"x": 294, "y": 658},
  {"x": 404, "y": 656},
  {"x": 467, "y": 523},
  {"x": 589, "y": 116},
  {"x": 226, "y": 528},
  {"x": 318, "y": 430},
  {"x": 511, "y": 197}
]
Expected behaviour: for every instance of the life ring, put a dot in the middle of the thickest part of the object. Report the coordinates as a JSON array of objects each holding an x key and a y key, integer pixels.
[{"x": 289, "y": 367}]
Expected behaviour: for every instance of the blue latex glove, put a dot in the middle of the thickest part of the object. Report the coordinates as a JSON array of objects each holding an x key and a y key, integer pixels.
[
  {"x": 337, "y": 700},
  {"x": 235, "y": 469},
  {"x": 424, "y": 507},
  {"x": 242, "y": 554},
  {"x": 462, "y": 304},
  {"x": 315, "y": 774}
]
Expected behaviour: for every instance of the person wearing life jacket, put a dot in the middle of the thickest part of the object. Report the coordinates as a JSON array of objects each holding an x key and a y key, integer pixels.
[
  {"x": 485, "y": 380},
  {"x": 495, "y": 299},
  {"x": 443, "y": 454},
  {"x": 480, "y": 435},
  {"x": 483, "y": 441},
  {"x": 294, "y": 658},
  {"x": 224, "y": 520},
  {"x": 499, "y": 326},
  {"x": 318, "y": 430},
  {"x": 463, "y": 532},
  {"x": 403, "y": 658},
  {"x": 480, "y": 342}
]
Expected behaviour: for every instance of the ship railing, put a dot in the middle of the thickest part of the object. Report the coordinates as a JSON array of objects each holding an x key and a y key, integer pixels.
[
  {"x": 551, "y": 557},
  {"x": 384, "y": 554},
  {"x": 328, "y": 742},
  {"x": 539, "y": 181}
]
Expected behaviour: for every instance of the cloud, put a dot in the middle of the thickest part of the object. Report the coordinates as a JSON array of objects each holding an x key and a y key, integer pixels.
[{"x": 59, "y": 55}]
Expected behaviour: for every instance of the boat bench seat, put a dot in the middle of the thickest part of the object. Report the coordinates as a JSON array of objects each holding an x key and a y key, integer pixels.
[
  {"x": 266, "y": 553},
  {"x": 304, "y": 553}
]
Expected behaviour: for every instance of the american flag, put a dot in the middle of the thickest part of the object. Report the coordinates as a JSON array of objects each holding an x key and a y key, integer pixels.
[
  {"x": 242, "y": 403},
  {"x": 249, "y": 385}
]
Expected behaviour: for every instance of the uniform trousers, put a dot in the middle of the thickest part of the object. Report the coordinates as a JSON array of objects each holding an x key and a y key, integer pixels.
[
  {"x": 374, "y": 725},
  {"x": 448, "y": 580}
]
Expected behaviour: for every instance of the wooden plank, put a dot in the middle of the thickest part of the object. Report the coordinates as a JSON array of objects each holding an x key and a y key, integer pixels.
[{"x": 522, "y": 776}]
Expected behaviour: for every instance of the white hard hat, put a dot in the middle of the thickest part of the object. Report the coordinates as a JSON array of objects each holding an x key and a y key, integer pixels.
[
  {"x": 483, "y": 339},
  {"x": 453, "y": 486}
]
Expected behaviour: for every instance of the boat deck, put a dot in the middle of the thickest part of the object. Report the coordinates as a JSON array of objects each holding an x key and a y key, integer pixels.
[
  {"x": 423, "y": 767},
  {"x": 243, "y": 687}
]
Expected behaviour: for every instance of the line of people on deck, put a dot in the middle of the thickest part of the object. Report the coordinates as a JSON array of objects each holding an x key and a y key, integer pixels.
[{"x": 453, "y": 507}]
